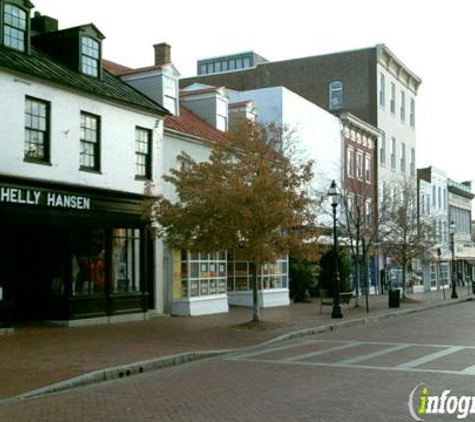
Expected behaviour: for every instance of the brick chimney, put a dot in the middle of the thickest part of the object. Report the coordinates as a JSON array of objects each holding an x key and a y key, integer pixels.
[
  {"x": 162, "y": 54},
  {"x": 42, "y": 24}
]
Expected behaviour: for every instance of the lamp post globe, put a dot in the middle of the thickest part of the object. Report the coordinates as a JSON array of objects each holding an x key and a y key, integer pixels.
[{"x": 334, "y": 197}]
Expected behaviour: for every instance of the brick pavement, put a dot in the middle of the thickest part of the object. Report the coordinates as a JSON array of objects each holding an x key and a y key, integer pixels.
[{"x": 38, "y": 355}]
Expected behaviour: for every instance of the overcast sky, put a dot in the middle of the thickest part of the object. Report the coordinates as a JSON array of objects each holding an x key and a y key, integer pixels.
[{"x": 435, "y": 39}]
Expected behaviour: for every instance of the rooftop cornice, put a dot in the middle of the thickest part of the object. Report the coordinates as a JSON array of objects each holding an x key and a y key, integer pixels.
[{"x": 389, "y": 61}]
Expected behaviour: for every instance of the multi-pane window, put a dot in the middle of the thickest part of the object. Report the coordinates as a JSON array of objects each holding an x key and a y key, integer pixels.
[
  {"x": 412, "y": 117},
  {"x": 350, "y": 162},
  {"x": 270, "y": 276},
  {"x": 413, "y": 162},
  {"x": 382, "y": 151},
  {"x": 36, "y": 130},
  {"x": 143, "y": 162},
  {"x": 393, "y": 153},
  {"x": 170, "y": 94},
  {"x": 367, "y": 168},
  {"x": 90, "y": 56},
  {"x": 350, "y": 208},
  {"x": 198, "y": 274},
  {"x": 403, "y": 157},
  {"x": 382, "y": 90},
  {"x": 336, "y": 95},
  {"x": 14, "y": 27},
  {"x": 393, "y": 98},
  {"x": 367, "y": 212},
  {"x": 89, "y": 150},
  {"x": 359, "y": 164},
  {"x": 403, "y": 106}
]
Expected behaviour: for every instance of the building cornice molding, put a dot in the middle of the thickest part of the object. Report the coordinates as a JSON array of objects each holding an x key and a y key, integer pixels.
[{"x": 397, "y": 68}]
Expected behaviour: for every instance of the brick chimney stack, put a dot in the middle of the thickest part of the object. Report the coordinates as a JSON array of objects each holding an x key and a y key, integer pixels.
[
  {"x": 162, "y": 54},
  {"x": 42, "y": 24}
]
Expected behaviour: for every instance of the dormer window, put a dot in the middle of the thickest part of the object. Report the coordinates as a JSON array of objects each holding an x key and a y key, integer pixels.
[
  {"x": 90, "y": 56},
  {"x": 14, "y": 27},
  {"x": 170, "y": 94}
]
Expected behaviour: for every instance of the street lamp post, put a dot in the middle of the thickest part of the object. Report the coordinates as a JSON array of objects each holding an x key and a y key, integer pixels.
[
  {"x": 336, "y": 311},
  {"x": 452, "y": 247}
]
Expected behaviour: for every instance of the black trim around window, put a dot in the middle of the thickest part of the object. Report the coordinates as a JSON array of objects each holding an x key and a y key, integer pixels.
[
  {"x": 37, "y": 143},
  {"x": 15, "y": 28},
  {"x": 90, "y": 56},
  {"x": 143, "y": 153},
  {"x": 90, "y": 142}
]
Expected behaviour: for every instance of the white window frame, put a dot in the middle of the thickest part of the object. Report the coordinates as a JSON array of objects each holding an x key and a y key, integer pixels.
[
  {"x": 382, "y": 90},
  {"x": 393, "y": 98},
  {"x": 350, "y": 162},
  {"x": 403, "y": 106},
  {"x": 412, "y": 116},
  {"x": 413, "y": 162},
  {"x": 335, "y": 95},
  {"x": 393, "y": 153},
  {"x": 359, "y": 165},
  {"x": 382, "y": 151},
  {"x": 367, "y": 168},
  {"x": 403, "y": 157},
  {"x": 367, "y": 212}
]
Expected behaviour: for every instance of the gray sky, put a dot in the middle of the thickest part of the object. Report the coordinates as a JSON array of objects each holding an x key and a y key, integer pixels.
[{"x": 433, "y": 38}]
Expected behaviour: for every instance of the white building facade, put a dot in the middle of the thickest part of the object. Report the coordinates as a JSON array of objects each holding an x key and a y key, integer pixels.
[{"x": 78, "y": 158}]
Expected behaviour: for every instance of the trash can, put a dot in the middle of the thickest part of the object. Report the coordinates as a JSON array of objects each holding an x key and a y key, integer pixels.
[{"x": 394, "y": 298}]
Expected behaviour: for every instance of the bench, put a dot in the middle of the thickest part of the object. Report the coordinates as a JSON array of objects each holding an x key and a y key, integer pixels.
[{"x": 345, "y": 299}]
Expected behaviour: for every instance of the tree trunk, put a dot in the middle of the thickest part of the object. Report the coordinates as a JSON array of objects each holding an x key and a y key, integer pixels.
[
  {"x": 358, "y": 275},
  {"x": 256, "y": 309},
  {"x": 404, "y": 266},
  {"x": 366, "y": 277}
]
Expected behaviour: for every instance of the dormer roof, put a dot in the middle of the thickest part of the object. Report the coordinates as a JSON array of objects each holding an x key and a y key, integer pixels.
[
  {"x": 88, "y": 29},
  {"x": 201, "y": 89},
  {"x": 45, "y": 68}
]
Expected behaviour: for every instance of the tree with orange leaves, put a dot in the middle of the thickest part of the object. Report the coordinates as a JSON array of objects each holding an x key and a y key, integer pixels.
[{"x": 250, "y": 196}]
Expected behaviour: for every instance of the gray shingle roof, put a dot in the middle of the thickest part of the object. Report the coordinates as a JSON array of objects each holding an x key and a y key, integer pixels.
[{"x": 39, "y": 65}]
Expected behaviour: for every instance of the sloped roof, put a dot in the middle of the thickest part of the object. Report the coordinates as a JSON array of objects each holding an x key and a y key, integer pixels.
[
  {"x": 114, "y": 68},
  {"x": 120, "y": 70},
  {"x": 189, "y": 123},
  {"x": 39, "y": 65}
]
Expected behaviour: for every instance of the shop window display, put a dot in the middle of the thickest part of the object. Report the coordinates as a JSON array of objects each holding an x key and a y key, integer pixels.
[
  {"x": 125, "y": 260},
  {"x": 270, "y": 276},
  {"x": 88, "y": 263},
  {"x": 198, "y": 274},
  {"x": 91, "y": 272}
]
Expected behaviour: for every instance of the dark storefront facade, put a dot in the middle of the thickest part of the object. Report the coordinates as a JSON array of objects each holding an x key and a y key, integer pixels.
[{"x": 71, "y": 253}]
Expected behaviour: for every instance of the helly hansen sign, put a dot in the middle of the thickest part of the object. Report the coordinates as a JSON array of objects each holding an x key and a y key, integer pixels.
[{"x": 51, "y": 199}]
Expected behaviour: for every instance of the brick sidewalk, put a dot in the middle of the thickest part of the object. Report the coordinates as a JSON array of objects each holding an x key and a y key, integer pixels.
[{"x": 37, "y": 355}]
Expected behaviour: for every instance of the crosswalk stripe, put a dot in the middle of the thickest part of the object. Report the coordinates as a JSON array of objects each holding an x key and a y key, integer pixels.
[
  {"x": 431, "y": 357},
  {"x": 322, "y": 352},
  {"x": 373, "y": 354}
]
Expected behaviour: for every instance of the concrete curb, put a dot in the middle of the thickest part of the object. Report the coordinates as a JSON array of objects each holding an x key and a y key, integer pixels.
[{"x": 136, "y": 368}]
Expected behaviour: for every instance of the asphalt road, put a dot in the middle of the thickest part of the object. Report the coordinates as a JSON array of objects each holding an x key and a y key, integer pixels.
[{"x": 364, "y": 373}]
